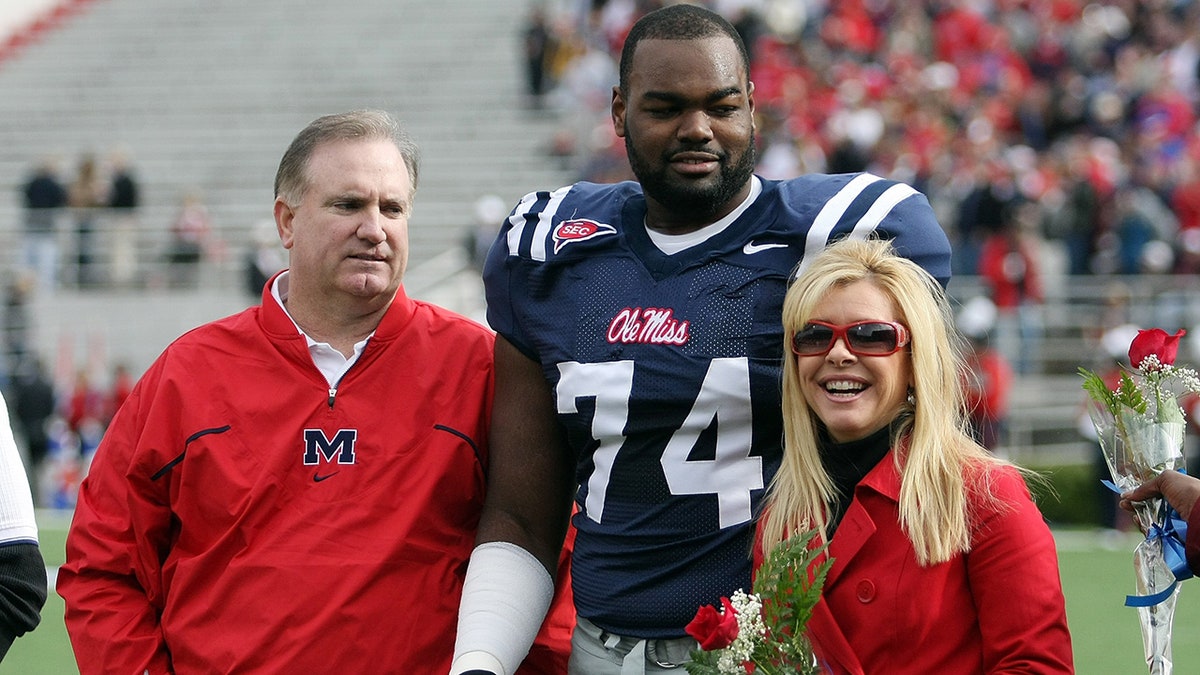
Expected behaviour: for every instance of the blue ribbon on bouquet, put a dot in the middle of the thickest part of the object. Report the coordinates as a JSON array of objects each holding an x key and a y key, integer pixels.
[{"x": 1172, "y": 533}]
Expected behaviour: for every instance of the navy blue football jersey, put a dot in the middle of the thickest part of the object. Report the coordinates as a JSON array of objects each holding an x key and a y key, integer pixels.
[{"x": 666, "y": 372}]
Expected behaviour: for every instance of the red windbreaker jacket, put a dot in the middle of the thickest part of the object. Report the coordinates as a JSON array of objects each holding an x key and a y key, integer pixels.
[{"x": 240, "y": 516}]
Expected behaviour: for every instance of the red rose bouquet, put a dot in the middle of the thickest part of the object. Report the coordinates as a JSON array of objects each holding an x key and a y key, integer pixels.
[
  {"x": 763, "y": 632},
  {"x": 1140, "y": 426}
]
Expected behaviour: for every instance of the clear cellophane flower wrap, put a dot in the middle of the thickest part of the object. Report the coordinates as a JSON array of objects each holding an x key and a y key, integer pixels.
[
  {"x": 1136, "y": 450},
  {"x": 1140, "y": 426}
]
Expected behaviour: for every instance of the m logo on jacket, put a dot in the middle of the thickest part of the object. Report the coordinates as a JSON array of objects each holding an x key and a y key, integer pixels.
[{"x": 317, "y": 445}]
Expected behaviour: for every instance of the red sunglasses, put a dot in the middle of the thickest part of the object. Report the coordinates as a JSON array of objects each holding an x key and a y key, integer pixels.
[{"x": 863, "y": 338}]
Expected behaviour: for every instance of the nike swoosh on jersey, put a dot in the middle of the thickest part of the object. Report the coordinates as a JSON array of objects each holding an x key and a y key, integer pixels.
[
  {"x": 317, "y": 478},
  {"x": 751, "y": 248}
]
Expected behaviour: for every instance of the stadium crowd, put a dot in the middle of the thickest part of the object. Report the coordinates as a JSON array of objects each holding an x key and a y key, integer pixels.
[{"x": 1082, "y": 116}]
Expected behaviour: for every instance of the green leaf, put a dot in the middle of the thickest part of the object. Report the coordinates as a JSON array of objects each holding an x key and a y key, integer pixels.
[
  {"x": 1094, "y": 385},
  {"x": 1130, "y": 395},
  {"x": 788, "y": 597}
]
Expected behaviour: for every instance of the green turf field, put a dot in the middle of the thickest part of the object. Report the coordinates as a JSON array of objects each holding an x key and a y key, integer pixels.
[{"x": 1096, "y": 578}]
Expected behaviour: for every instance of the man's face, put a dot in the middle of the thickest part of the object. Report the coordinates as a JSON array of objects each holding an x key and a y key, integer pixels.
[
  {"x": 688, "y": 125},
  {"x": 348, "y": 235}
]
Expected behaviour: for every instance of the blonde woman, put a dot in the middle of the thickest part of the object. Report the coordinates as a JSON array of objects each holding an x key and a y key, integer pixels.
[{"x": 942, "y": 562}]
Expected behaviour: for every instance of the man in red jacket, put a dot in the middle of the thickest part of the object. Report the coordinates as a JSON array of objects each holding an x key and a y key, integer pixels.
[{"x": 296, "y": 488}]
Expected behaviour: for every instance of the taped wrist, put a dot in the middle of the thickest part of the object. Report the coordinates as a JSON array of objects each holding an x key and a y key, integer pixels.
[{"x": 505, "y": 598}]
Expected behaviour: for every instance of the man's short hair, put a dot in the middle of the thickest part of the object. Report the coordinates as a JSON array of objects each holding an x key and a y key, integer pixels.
[
  {"x": 291, "y": 180},
  {"x": 678, "y": 22}
]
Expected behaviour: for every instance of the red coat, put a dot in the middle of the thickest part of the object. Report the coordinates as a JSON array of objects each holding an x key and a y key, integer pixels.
[{"x": 997, "y": 609}]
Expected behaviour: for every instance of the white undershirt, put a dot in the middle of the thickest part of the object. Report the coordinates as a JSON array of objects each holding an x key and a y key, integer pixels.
[
  {"x": 332, "y": 363},
  {"x": 674, "y": 243}
]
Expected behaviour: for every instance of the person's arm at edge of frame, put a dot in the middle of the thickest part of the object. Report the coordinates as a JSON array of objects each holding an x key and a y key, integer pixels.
[
  {"x": 23, "y": 584},
  {"x": 510, "y": 580},
  {"x": 23, "y": 591},
  {"x": 1181, "y": 492}
]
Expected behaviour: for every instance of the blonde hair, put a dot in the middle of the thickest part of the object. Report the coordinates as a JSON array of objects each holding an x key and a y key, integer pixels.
[{"x": 931, "y": 442}]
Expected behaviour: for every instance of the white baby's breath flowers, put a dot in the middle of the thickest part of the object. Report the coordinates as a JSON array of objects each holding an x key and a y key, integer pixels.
[
  {"x": 1162, "y": 398},
  {"x": 751, "y": 631}
]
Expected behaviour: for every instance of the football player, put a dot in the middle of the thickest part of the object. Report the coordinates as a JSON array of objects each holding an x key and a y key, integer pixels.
[{"x": 638, "y": 359}]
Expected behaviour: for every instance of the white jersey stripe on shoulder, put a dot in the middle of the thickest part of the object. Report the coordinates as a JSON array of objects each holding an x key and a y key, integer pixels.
[
  {"x": 835, "y": 207},
  {"x": 883, "y": 205},
  {"x": 541, "y": 234},
  {"x": 517, "y": 221}
]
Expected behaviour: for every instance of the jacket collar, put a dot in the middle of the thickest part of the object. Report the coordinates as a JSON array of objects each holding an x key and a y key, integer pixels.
[{"x": 276, "y": 322}]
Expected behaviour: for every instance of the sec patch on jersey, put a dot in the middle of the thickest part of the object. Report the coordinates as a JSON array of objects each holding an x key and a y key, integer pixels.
[{"x": 582, "y": 229}]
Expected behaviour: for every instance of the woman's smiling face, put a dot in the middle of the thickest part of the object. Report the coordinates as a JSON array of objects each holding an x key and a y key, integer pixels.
[{"x": 854, "y": 395}]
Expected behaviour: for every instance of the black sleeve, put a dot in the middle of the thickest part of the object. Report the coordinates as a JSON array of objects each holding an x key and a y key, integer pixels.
[{"x": 23, "y": 589}]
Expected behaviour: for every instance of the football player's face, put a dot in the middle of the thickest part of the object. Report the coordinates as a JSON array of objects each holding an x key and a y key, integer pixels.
[
  {"x": 855, "y": 396},
  {"x": 349, "y": 232},
  {"x": 688, "y": 125}
]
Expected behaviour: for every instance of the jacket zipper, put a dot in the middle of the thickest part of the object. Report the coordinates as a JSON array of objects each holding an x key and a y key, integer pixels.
[{"x": 334, "y": 387}]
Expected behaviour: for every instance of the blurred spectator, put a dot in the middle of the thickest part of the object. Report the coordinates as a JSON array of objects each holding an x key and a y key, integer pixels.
[
  {"x": 847, "y": 156},
  {"x": 190, "y": 233},
  {"x": 34, "y": 404},
  {"x": 86, "y": 195},
  {"x": 124, "y": 193},
  {"x": 1115, "y": 310},
  {"x": 1142, "y": 233},
  {"x": 17, "y": 320},
  {"x": 58, "y": 480},
  {"x": 44, "y": 198},
  {"x": 490, "y": 211},
  {"x": 264, "y": 259},
  {"x": 1185, "y": 201},
  {"x": 606, "y": 163},
  {"x": 784, "y": 155},
  {"x": 746, "y": 17},
  {"x": 537, "y": 40},
  {"x": 981, "y": 213},
  {"x": 989, "y": 378},
  {"x": 124, "y": 197},
  {"x": 122, "y": 385},
  {"x": 1115, "y": 357},
  {"x": 1010, "y": 268},
  {"x": 86, "y": 405},
  {"x": 856, "y": 127}
]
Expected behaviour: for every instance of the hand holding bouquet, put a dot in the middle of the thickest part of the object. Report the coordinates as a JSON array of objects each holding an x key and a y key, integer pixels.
[{"x": 1140, "y": 427}]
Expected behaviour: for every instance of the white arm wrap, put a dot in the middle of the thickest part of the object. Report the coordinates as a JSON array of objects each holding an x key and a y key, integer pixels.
[{"x": 505, "y": 598}]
